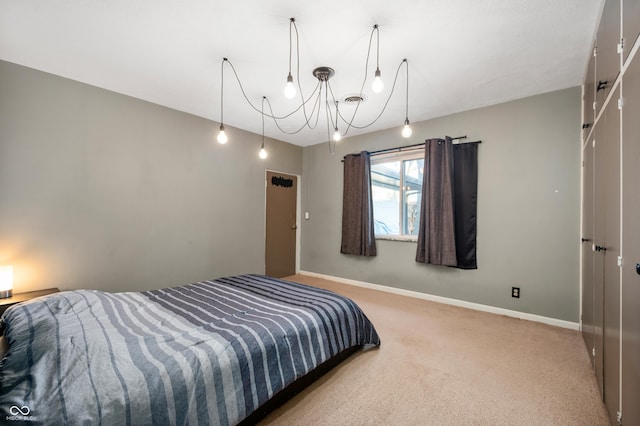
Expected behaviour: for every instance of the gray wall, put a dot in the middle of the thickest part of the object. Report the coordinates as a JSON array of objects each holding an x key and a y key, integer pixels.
[
  {"x": 100, "y": 190},
  {"x": 528, "y": 209}
]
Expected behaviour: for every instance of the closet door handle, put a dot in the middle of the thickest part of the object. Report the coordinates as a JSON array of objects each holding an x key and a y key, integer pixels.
[
  {"x": 602, "y": 84},
  {"x": 585, "y": 240},
  {"x": 638, "y": 268},
  {"x": 600, "y": 248}
]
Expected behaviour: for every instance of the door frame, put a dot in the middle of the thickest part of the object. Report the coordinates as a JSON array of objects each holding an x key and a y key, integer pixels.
[{"x": 298, "y": 217}]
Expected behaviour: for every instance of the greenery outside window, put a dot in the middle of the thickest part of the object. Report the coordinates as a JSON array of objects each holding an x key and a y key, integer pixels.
[{"x": 396, "y": 183}]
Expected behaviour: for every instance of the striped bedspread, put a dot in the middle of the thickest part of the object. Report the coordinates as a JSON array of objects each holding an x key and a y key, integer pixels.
[{"x": 205, "y": 353}]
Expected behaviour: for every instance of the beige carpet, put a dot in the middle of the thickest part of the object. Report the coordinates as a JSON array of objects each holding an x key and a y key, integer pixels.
[{"x": 444, "y": 365}]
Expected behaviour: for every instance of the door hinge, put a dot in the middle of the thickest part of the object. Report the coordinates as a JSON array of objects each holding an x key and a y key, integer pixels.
[
  {"x": 621, "y": 46},
  {"x": 593, "y": 143},
  {"x": 594, "y": 105},
  {"x": 595, "y": 51},
  {"x": 620, "y": 261},
  {"x": 619, "y": 417},
  {"x": 619, "y": 103},
  {"x": 593, "y": 352}
]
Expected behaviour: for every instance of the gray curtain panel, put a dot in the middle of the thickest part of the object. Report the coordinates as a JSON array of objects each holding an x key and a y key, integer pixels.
[
  {"x": 358, "y": 235},
  {"x": 436, "y": 236}
]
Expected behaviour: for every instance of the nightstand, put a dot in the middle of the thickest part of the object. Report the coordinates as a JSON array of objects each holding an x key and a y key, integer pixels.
[{"x": 23, "y": 297}]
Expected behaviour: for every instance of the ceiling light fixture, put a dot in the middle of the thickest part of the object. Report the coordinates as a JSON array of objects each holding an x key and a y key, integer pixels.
[
  {"x": 315, "y": 100},
  {"x": 263, "y": 152},
  {"x": 289, "y": 88},
  {"x": 378, "y": 84},
  {"x": 336, "y": 134},
  {"x": 222, "y": 136},
  {"x": 406, "y": 130}
]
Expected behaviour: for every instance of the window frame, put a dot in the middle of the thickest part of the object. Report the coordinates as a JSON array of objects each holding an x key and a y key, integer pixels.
[{"x": 401, "y": 156}]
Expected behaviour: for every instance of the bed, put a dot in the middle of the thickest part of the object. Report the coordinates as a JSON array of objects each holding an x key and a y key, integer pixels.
[{"x": 213, "y": 352}]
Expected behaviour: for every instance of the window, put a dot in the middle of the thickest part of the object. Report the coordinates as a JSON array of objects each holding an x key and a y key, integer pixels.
[{"x": 396, "y": 184}]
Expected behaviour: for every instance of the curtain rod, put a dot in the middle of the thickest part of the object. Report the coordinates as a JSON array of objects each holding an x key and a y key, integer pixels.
[{"x": 400, "y": 148}]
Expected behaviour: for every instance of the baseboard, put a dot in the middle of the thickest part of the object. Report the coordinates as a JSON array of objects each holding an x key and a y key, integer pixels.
[{"x": 449, "y": 301}]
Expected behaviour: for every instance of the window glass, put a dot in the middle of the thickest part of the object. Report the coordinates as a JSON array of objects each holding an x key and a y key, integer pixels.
[
  {"x": 412, "y": 195},
  {"x": 385, "y": 187},
  {"x": 396, "y": 183}
]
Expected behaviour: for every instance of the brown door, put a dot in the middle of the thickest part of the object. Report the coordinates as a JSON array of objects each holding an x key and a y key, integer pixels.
[
  {"x": 631, "y": 245},
  {"x": 281, "y": 226}
]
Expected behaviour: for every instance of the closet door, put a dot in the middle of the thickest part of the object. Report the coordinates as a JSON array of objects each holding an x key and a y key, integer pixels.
[
  {"x": 598, "y": 258},
  {"x": 587, "y": 252},
  {"x": 588, "y": 97},
  {"x": 608, "y": 246},
  {"x": 630, "y": 24},
  {"x": 607, "y": 58},
  {"x": 631, "y": 246}
]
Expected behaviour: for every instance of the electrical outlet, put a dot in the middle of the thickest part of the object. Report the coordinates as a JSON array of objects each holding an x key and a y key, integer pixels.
[{"x": 515, "y": 292}]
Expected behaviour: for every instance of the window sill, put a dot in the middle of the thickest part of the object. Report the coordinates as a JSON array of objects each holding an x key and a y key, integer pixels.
[{"x": 397, "y": 238}]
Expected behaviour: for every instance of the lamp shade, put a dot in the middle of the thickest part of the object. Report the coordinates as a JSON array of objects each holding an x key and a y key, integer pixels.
[{"x": 6, "y": 281}]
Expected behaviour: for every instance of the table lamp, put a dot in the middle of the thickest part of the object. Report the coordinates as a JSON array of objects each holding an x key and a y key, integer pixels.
[{"x": 6, "y": 281}]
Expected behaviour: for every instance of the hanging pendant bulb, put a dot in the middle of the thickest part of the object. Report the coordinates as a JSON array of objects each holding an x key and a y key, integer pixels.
[
  {"x": 263, "y": 153},
  {"x": 378, "y": 84},
  {"x": 336, "y": 135},
  {"x": 222, "y": 136},
  {"x": 289, "y": 88},
  {"x": 406, "y": 130}
]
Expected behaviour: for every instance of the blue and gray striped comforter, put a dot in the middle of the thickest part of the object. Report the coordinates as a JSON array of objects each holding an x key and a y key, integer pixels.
[{"x": 204, "y": 353}]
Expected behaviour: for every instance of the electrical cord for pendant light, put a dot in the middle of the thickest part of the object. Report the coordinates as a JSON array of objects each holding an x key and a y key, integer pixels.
[
  {"x": 393, "y": 86},
  {"x": 244, "y": 94}
]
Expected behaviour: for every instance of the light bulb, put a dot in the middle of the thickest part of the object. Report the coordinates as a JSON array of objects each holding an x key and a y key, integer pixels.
[
  {"x": 406, "y": 130},
  {"x": 263, "y": 153},
  {"x": 336, "y": 135},
  {"x": 378, "y": 84},
  {"x": 222, "y": 136},
  {"x": 289, "y": 88}
]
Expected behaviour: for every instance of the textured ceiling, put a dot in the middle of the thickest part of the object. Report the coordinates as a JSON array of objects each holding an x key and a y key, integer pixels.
[{"x": 463, "y": 54}]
